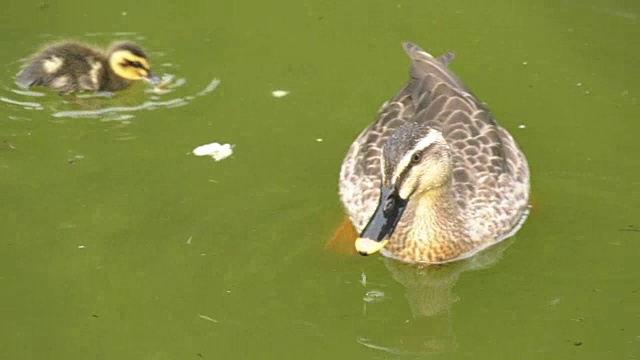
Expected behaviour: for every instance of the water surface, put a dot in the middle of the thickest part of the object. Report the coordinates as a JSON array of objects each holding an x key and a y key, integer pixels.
[{"x": 119, "y": 244}]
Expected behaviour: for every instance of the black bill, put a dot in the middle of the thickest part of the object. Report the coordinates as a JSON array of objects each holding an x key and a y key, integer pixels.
[{"x": 384, "y": 220}]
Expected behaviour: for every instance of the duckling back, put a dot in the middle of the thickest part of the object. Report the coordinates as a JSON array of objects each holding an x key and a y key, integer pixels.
[{"x": 66, "y": 67}]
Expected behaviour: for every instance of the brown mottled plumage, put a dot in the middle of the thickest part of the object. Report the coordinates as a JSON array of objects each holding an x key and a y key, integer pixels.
[
  {"x": 435, "y": 153},
  {"x": 73, "y": 67}
]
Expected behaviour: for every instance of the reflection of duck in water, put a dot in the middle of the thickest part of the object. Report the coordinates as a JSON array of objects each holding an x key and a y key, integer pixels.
[
  {"x": 73, "y": 67},
  {"x": 429, "y": 292},
  {"x": 429, "y": 289},
  {"x": 434, "y": 178}
]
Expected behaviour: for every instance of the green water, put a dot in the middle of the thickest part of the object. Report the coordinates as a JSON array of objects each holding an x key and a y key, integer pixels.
[{"x": 117, "y": 243}]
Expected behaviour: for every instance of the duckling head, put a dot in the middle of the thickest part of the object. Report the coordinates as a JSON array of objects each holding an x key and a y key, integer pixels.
[
  {"x": 128, "y": 61},
  {"x": 416, "y": 159}
]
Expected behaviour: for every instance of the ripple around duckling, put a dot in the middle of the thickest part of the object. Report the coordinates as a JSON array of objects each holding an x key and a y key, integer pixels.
[
  {"x": 28, "y": 93},
  {"x": 149, "y": 105},
  {"x": 209, "y": 88},
  {"x": 115, "y": 112},
  {"x": 25, "y": 104},
  {"x": 168, "y": 83}
]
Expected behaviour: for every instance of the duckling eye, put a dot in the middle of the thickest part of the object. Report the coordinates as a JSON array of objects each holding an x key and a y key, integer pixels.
[
  {"x": 135, "y": 64},
  {"x": 416, "y": 157}
]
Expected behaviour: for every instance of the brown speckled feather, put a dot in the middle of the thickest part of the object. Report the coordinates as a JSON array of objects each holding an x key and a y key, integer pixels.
[{"x": 490, "y": 176}]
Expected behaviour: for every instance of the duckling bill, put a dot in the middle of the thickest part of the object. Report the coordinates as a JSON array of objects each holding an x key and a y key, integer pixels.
[
  {"x": 434, "y": 178},
  {"x": 71, "y": 67}
]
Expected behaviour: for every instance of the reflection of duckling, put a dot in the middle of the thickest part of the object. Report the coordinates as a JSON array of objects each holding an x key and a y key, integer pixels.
[{"x": 72, "y": 67}]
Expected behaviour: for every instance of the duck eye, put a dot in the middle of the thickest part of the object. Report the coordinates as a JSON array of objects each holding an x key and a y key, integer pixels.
[
  {"x": 388, "y": 205},
  {"x": 416, "y": 157}
]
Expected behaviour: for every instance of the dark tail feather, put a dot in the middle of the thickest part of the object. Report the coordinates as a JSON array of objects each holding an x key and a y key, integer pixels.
[
  {"x": 447, "y": 58},
  {"x": 423, "y": 63}
]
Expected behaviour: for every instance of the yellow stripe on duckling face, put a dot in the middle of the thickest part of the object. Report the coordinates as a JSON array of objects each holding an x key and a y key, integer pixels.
[{"x": 129, "y": 66}]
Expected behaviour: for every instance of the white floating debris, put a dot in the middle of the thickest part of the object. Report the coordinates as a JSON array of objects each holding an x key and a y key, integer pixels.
[
  {"x": 319, "y": 140},
  {"x": 521, "y": 126},
  {"x": 205, "y": 317},
  {"x": 216, "y": 151},
  {"x": 524, "y": 63},
  {"x": 80, "y": 246},
  {"x": 579, "y": 84},
  {"x": 279, "y": 93}
]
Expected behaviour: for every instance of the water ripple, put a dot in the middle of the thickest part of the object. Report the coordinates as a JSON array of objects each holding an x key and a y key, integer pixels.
[
  {"x": 209, "y": 88},
  {"x": 149, "y": 105},
  {"x": 119, "y": 113},
  {"x": 27, "y": 93},
  {"x": 369, "y": 343},
  {"x": 26, "y": 104}
]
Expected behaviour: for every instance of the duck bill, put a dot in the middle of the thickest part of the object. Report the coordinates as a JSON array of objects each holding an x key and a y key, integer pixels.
[
  {"x": 384, "y": 220},
  {"x": 152, "y": 78}
]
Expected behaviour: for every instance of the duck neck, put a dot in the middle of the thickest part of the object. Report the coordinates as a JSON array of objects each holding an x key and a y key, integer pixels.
[
  {"x": 435, "y": 225},
  {"x": 435, "y": 215}
]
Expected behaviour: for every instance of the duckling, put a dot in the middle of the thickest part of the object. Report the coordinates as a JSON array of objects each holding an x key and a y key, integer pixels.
[
  {"x": 71, "y": 67},
  {"x": 434, "y": 178}
]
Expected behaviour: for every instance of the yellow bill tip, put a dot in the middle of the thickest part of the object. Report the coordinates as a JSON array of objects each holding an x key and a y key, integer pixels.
[{"x": 367, "y": 246}]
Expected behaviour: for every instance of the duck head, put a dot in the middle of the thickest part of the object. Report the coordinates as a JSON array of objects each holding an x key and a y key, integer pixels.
[
  {"x": 416, "y": 159},
  {"x": 128, "y": 61}
]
